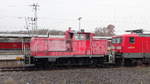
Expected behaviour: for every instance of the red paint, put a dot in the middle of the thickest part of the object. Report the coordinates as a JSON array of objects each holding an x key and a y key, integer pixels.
[
  {"x": 69, "y": 46},
  {"x": 13, "y": 45},
  {"x": 141, "y": 44}
]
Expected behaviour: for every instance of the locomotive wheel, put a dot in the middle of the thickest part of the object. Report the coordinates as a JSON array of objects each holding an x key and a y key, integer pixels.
[
  {"x": 118, "y": 61},
  {"x": 42, "y": 63},
  {"x": 128, "y": 62},
  {"x": 139, "y": 63},
  {"x": 123, "y": 62},
  {"x": 97, "y": 62}
]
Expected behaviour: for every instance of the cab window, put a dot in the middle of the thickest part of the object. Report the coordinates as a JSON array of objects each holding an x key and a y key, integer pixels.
[
  {"x": 113, "y": 40},
  {"x": 132, "y": 40},
  {"x": 116, "y": 40},
  {"x": 82, "y": 36}
]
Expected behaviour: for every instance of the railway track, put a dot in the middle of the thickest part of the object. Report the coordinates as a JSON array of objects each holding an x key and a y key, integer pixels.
[
  {"x": 60, "y": 67},
  {"x": 12, "y": 69},
  {"x": 53, "y": 67},
  {"x": 5, "y": 69}
]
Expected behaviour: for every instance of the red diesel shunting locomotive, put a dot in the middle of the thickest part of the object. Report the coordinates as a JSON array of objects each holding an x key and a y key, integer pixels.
[
  {"x": 131, "y": 48},
  {"x": 75, "y": 48}
]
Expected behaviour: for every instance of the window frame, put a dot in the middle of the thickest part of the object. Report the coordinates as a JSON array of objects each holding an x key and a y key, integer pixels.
[
  {"x": 82, "y": 36},
  {"x": 117, "y": 40},
  {"x": 132, "y": 40}
]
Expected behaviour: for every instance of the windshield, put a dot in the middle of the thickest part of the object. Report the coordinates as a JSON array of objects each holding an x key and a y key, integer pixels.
[
  {"x": 79, "y": 36},
  {"x": 117, "y": 40},
  {"x": 82, "y": 36}
]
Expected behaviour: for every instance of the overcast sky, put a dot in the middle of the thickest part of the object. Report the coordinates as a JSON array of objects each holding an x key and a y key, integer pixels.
[{"x": 61, "y": 14}]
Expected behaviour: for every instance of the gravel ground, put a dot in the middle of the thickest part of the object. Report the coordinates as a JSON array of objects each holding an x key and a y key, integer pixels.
[
  {"x": 11, "y": 63},
  {"x": 123, "y": 75}
]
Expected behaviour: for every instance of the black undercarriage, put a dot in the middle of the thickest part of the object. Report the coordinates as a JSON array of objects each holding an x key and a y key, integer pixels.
[{"x": 119, "y": 60}]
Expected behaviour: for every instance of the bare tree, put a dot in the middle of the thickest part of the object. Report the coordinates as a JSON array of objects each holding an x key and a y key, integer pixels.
[{"x": 105, "y": 31}]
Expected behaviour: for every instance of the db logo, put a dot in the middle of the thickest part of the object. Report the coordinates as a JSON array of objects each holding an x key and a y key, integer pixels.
[{"x": 131, "y": 47}]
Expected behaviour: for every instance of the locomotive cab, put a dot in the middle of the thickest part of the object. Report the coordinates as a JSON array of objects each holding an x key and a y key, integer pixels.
[
  {"x": 72, "y": 35},
  {"x": 124, "y": 44}
]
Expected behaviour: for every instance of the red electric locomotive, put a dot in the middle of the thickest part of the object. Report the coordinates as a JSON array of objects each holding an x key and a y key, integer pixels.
[
  {"x": 131, "y": 48},
  {"x": 74, "y": 48}
]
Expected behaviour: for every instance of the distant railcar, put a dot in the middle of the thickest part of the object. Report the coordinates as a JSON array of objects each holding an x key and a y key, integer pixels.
[
  {"x": 13, "y": 46},
  {"x": 74, "y": 48}
]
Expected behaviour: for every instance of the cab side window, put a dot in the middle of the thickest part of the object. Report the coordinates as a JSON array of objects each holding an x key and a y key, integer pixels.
[
  {"x": 88, "y": 37},
  {"x": 132, "y": 40}
]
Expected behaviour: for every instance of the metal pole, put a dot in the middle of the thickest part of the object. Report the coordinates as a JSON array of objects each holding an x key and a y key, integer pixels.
[
  {"x": 35, "y": 15},
  {"x": 35, "y": 18},
  {"x": 79, "y": 23}
]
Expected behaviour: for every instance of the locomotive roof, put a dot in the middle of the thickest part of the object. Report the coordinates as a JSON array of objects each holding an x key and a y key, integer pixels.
[
  {"x": 127, "y": 35},
  {"x": 133, "y": 35}
]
